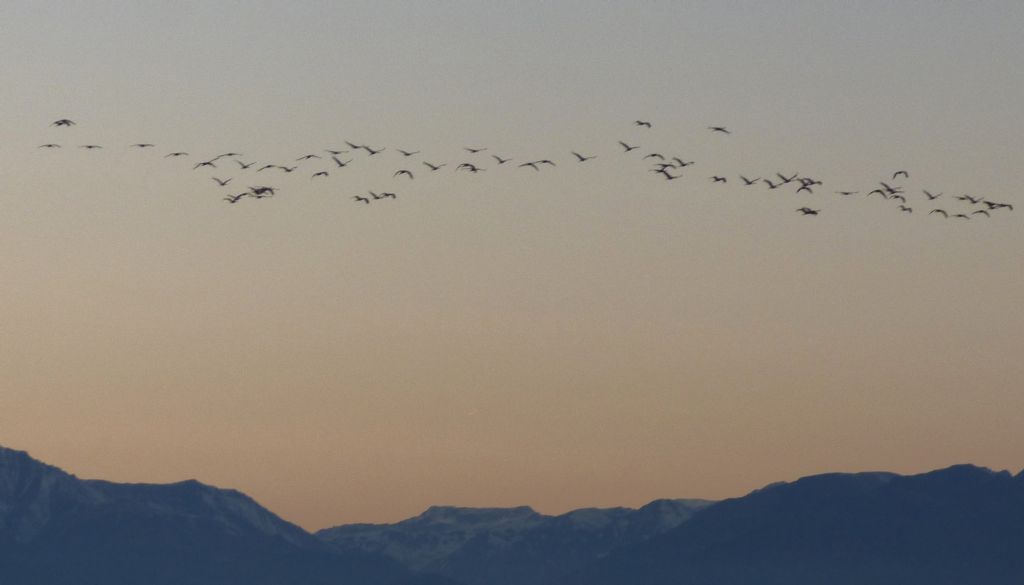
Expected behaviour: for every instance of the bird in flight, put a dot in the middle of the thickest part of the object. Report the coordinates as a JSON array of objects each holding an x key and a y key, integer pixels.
[
  {"x": 205, "y": 163},
  {"x": 664, "y": 171},
  {"x": 981, "y": 212},
  {"x": 261, "y": 190},
  {"x": 235, "y": 198},
  {"x": 930, "y": 196},
  {"x": 642, "y": 123},
  {"x": 717, "y": 179},
  {"x": 500, "y": 160},
  {"x": 469, "y": 167},
  {"x": 808, "y": 211},
  {"x": 581, "y": 158},
  {"x": 973, "y": 200},
  {"x": 339, "y": 161},
  {"x": 721, "y": 129},
  {"x": 371, "y": 151},
  {"x": 749, "y": 182},
  {"x": 175, "y": 154},
  {"x": 221, "y": 182},
  {"x": 407, "y": 153},
  {"x": 474, "y": 150},
  {"x": 90, "y": 146},
  {"x": 245, "y": 165},
  {"x": 628, "y": 147},
  {"x": 403, "y": 172},
  {"x": 904, "y": 174},
  {"x": 907, "y": 209},
  {"x": 992, "y": 205},
  {"x": 319, "y": 174},
  {"x": 63, "y": 122},
  {"x": 142, "y": 145},
  {"x": 307, "y": 157},
  {"x": 49, "y": 146},
  {"x": 361, "y": 199},
  {"x": 434, "y": 167},
  {"x": 846, "y": 193},
  {"x": 942, "y": 211}
]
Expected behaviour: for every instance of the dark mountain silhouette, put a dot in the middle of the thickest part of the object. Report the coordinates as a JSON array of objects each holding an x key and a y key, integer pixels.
[
  {"x": 56, "y": 529},
  {"x": 959, "y": 525},
  {"x": 509, "y": 546}
]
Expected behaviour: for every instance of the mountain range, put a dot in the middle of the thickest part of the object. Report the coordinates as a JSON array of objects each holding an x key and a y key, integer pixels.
[{"x": 963, "y": 524}]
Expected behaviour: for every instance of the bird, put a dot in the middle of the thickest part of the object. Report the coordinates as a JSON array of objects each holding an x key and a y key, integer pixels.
[
  {"x": 225, "y": 155},
  {"x": 51, "y": 145},
  {"x": 653, "y": 155},
  {"x": 717, "y": 179},
  {"x": 668, "y": 176},
  {"x": 628, "y": 147},
  {"x": 261, "y": 190},
  {"x": 642, "y": 123},
  {"x": 930, "y": 196},
  {"x": 407, "y": 153},
  {"x": 905, "y": 175},
  {"x": 371, "y": 151},
  {"x": 805, "y": 188},
  {"x": 175, "y": 154},
  {"x": 334, "y": 152},
  {"x": 90, "y": 146},
  {"x": 265, "y": 167},
  {"x": 846, "y": 193},
  {"x": 221, "y": 182},
  {"x": 973, "y": 200},
  {"x": 500, "y": 160},
  {"x": 900, "y": 197},
  {"x": 205, "y": 163},
  {"x": 142, "y": 145},
  {"x": 362, "y": 199},
  {"x": 772, "y": 185},
  {"x": 993, "y": 205},
  {"x": 388, "y": 195},
  {"x": 474, "y": 150},
  {"x": 235, "y": 198},
  {"x": 961, "y": 216},
  {"x": 889, "y": 189},
  {"x": 470, "y": 167},
  {"x": 982, "y": 212},
  {"x": 808, "y": 211},
  {"x": 375, "y": 196},
  {"x": 434, "y": 167},
  {"x": 287, "y": 169},
  {"x": 339, "y": 162},
  {"x": 942, "y": 211},
  {"x": 581, "y": 158},
  {"x": 749, "y": 182},
  {"x": 721, "y": 129},
  {"x": 531, "y": 164},
  {"x": 307, "y": 157},
  {"x": 245, "y": 165},
  {"x": 403, "y": 172},
  {"x": 786, "y": 179},
  {"x": 907, "y": 209},
  {"x": 680, "y": 162},
  {"x": 320, "y": 174},
  {"x": 350, "y": 145},
  {"x": 63, "y": 122}
]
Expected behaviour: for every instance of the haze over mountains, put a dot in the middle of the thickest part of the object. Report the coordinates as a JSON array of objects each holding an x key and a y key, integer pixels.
[{"x": 958, "y": 525}]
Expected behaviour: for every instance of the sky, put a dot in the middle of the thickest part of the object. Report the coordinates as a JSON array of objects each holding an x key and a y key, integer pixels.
[{"x": 584, "y": 335}]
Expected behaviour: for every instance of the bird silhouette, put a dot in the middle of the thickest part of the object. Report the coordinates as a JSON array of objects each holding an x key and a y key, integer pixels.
[
  {"x": 175, "y": 154},
  {"x": 319, "y": 174},
  {"x": 142, "y": 145},
  {"x": 942, "y": 211},
  {"x": 90, "y": 146},
  {"x": 906, "y": 209},
  {"x": 930, "y": 196},
  {"x": 221, "y": 182},
  {"x": 717, "y": 179},
  {"x": 339, "y": 162},
  {"x": 307, "y": 157},
  {"x": 721, "y": 129},
  {"x": 362, "y": 199},
  {"x": 434, "y": 167},
  {"x": 63, "y": 122},
  {"x": 642, "y": 123},
  {"x": 245, "y": 165},
  {"x": 809, "y": 211},
  {"x": 407, "y": 153},
  {"x": 235, "y": 198},
  {"x": 51, "y": 145},
  {"x": 628, "y": 147},
  {"x": 403, "y": 172},
  {"x": 904, "y": 174},
  {"x": 981, "y": 212},
  {"x": 474, "y": 150},
  {"x": 749, "y": 182},
  {"x": 205, "y": 163},
  {"x": 846, "y": 193},
  {"x": 581, "y": 158},
  {"x": 500, "y": 160},
  {"x": 371, "y": 151}
]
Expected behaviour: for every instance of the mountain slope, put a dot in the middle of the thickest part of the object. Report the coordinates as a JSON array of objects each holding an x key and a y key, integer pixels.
[
  {"x": 509, "y": 546},
  {"x": 58, "y": 529},
  {"x": 959, "y": 525}
]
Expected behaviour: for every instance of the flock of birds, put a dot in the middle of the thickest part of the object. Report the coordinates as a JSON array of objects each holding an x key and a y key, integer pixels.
[{"x": 668, "y": 167}]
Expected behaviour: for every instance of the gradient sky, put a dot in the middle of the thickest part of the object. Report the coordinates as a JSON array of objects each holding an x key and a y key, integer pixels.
[{"x": 585, "y": 336}]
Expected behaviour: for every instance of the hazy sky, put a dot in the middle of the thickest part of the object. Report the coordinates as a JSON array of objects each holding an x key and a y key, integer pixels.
[{"x": 588, "y": 335}]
